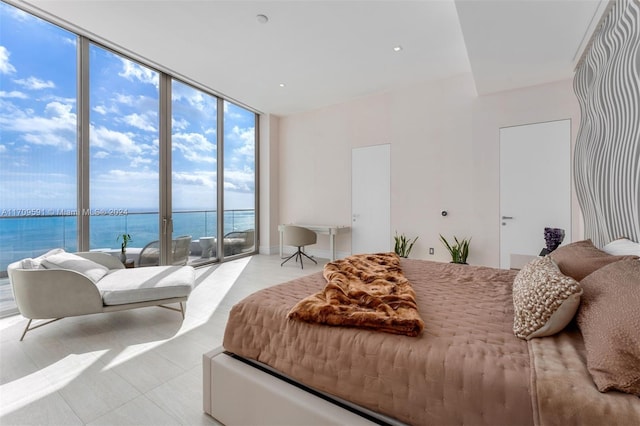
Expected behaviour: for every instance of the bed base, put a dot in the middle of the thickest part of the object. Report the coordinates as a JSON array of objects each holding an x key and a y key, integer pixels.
[{"x": 239, "y": 392}]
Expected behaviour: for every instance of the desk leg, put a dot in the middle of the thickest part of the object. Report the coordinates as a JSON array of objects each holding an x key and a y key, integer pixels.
[{"x": 281, "y": 233}]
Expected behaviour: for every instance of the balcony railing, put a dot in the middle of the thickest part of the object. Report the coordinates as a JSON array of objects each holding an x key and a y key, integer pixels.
[{"x": 30, "y": 234}]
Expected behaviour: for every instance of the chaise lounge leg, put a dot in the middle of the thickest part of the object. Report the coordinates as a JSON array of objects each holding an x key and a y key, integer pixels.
[
  {"x": 27, "y": 328},
  {"x": 181, "y": 310}
]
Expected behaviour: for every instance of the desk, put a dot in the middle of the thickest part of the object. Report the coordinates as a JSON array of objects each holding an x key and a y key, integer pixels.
[{"x": 330, "y": 230}]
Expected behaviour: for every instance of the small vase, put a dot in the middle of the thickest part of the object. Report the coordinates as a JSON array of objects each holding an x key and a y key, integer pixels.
[{"x": 123, "y": 256}]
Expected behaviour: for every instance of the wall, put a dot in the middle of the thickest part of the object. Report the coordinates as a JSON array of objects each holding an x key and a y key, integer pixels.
[
  {"x": 607, "y": 154},
  {"x": 269, "y": 178},
  {"x": 444, "y": 156}
]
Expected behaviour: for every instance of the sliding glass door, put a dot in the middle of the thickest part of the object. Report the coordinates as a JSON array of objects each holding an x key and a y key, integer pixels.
[
  {"x": 124, "y": 154},
  {"x": 239, "y": 180},
  {"x": 194, "y": 159}
]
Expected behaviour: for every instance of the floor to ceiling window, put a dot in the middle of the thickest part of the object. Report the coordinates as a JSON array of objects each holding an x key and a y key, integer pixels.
[
  {"x": 194, "y": 157},
  {"x": 81, "y": 167},
  {"x": 239, "y": 179},
  {"x": 38, "y": 151},
  {"x": 124, "y": 154}
]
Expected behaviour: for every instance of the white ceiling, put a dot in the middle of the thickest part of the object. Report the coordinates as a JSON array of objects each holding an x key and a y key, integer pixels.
[{"x": 327, "y": 52}]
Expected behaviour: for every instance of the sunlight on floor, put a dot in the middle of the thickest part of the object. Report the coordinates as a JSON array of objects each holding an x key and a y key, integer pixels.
[
  {"x": 225, "y": 276},
  {"x": 142, "y": 366},
  {"x": 45, "y": 381}
]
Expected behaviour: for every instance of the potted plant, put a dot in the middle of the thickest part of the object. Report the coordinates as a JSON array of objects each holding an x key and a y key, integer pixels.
[
  {"x": 403, "y": 246},
  {"x": 459, "y": 251},
  {"x": 126, "y": 239}
]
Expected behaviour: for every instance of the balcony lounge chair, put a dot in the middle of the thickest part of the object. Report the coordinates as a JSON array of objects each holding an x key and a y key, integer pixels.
[
  {"x": 236, "y": 242},
  {"x": 150, "y": 254},
  {"x": 59, "y": 284}
]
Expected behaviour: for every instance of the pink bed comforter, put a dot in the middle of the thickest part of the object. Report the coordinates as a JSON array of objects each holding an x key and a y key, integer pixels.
[{"x": 466, "y": 367}]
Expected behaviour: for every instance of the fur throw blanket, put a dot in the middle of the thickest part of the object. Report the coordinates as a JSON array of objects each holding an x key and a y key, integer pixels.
[{"x": 366, "y": 290}]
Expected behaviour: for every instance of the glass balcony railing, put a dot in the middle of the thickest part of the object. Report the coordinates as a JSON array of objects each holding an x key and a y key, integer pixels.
[{"x": 31, "y": 234}]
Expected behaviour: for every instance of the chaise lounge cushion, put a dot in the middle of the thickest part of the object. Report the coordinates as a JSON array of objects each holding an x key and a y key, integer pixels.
[{"x": 122, "y": 286}]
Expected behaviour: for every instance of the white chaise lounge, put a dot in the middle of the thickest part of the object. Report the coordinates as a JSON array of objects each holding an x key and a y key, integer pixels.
[{"x": 60, "y": 284}]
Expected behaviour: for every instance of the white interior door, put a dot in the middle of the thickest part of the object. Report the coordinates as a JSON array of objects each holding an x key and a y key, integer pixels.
[
  {"x": 371, "y": 199},
  {"x": 535, "y": 186}
]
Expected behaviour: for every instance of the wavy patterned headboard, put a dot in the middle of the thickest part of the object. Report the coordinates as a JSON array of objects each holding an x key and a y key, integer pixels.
[{"x": 607, "y": 152}]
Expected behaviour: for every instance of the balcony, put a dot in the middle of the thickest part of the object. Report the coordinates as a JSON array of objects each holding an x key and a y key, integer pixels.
[{"x": 30, "y": 236}]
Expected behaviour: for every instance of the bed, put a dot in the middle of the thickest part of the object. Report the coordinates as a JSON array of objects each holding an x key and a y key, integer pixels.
[{"x": 465, "y": 367}]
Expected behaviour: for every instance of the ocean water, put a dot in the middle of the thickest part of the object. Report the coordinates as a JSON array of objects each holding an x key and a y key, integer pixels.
[{"x": 31, "y": 236}]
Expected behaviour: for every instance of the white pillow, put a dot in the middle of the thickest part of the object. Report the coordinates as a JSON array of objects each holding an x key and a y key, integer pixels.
[
  {"x": 36, "y": 263},
  {"x": 622, "y": 246},
  {"x": 92, "y": 270}
]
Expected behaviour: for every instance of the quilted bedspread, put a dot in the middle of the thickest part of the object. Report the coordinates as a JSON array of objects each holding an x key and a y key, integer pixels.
[
  {"x": 466, "y": 367},
  {"x": 364, "y": 290}
]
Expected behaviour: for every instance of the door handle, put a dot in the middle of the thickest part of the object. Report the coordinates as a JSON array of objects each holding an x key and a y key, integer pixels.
[{"x": 507, "y": 217}]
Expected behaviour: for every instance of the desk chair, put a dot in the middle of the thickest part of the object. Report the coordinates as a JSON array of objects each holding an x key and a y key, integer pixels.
[{"x": 299, "y": 237}]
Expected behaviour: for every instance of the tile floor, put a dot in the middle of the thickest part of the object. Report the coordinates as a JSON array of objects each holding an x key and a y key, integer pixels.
[{"x": 139, "y": 367}]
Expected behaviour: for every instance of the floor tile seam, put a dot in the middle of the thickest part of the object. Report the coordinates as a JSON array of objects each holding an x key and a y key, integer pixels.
[
  {"x": 147, "y": 395},
  {"x": 75, "y": 413},
  {"x": 142, "y": 392}
]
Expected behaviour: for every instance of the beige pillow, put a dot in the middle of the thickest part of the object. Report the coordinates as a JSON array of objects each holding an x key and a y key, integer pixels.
[
  {"x": 609, "y": 319},
  {"x": 92, "y": 270},
  {"x": 581, "y": 258},
  {"x": 544, "y": 299}
]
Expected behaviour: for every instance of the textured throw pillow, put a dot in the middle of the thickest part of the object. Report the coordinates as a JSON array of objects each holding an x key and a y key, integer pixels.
[
  {"x": 609, "y": 319},
  {"x": 581, "y": 258},
  {"x": 92, "y": 270},
  {"x": 544, "y": 299},
  {"x": 622, "y": 246}
]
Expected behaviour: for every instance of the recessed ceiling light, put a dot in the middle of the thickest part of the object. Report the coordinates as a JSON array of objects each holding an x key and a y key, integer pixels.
[
  {"x": 282, "y": 85},
  {"x": 263, "y": 19},
  {"x": 397, "y": 48}
]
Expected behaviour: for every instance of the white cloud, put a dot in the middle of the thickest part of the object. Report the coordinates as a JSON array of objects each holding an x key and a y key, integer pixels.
[
  {"x": 60, "y": 141},
  {"x": 13, "y": 94},
  {"x": 138, "y": 160},
  {"x": 247, "y": 138},
  {"x": 101, "y": 154},
  {"x": 199, "y": 178},
  {"x": 70, "y": 40},
  {"x": 34, "y": 83},
  {"x": 133, "y": 71},
  {"x": 5, "y": 65},
  {"x": 3, "y": 149},
  {"x": 124, "y": 99},
  {"x": 113, "y": 141},
  {"x": 57, "y": 127},
  {"x": 194, "y": 146},
  {"x": 239, "y": 180},
  {"x": 100, "y": 109},
  {"x": 140, "y": 121},
  {"x": 179, "y": 124}
]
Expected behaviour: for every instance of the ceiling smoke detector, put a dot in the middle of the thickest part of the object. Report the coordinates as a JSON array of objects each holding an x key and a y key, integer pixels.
[{"x": 263, "y": 19}]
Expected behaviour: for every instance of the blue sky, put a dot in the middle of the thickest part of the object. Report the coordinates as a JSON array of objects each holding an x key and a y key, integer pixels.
[{"x": 38, "y": 143}]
